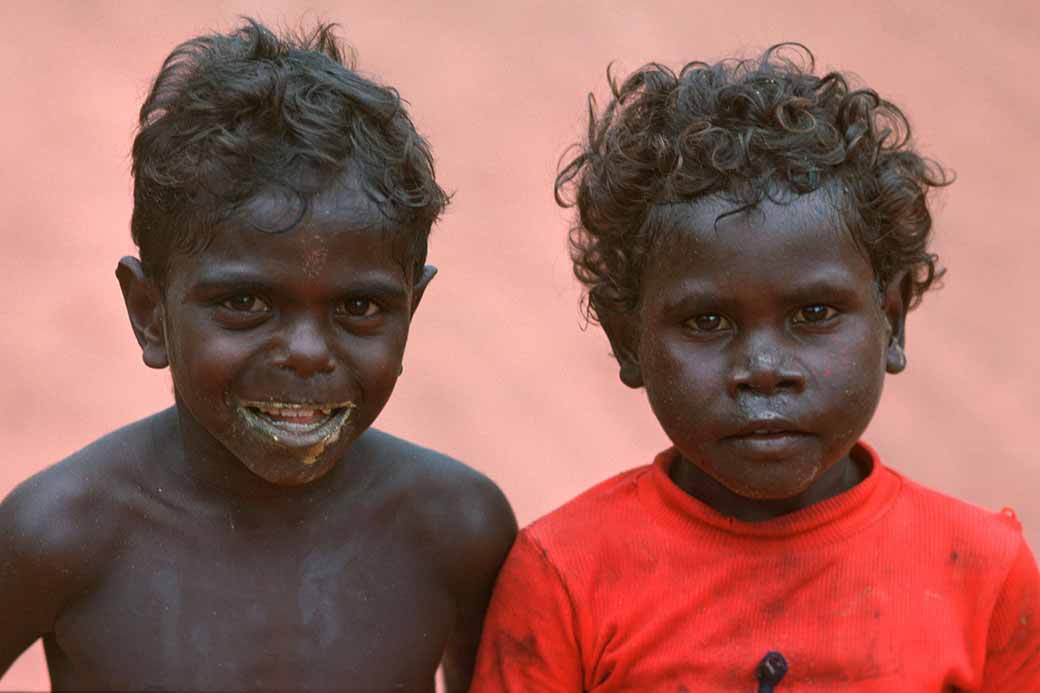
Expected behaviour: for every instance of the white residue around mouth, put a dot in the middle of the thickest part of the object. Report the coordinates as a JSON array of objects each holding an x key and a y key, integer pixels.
[{"x": 309, "y": 439}]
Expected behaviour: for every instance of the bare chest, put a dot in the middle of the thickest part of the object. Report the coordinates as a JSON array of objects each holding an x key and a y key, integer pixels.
[{"x": 258, "y": 609}]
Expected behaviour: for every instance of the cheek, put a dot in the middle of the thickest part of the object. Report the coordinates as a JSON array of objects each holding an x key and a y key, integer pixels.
[
  {"x": 850, "y": 381},
  {"x": 377, "y": 361},
  {"x": 204, "y": 363},
  {"x": 680, "y": 385}
]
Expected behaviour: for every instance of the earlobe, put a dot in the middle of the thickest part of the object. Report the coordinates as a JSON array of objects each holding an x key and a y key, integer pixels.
[
  {"x": 896, "y": 303},
  {"x": 895, "y": 359},
  {"x": 630, "y": 373},
  {"x": 144, "y": 308},
  {"x": 425, "y": 277},
  {"x": 622, "y": 333}
]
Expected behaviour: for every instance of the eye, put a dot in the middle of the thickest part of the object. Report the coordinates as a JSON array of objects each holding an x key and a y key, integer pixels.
[
  {"x": 359, "y": 307},
  {"x": 814, "y": 314},
  {"x": 708, "y": 322},
  {"x": 246, "y": 303}
]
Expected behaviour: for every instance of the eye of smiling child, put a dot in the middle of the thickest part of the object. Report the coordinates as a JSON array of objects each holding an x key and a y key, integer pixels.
[
  {"x": 246, "y": 303},
  {"x": 358, "y": 307}
]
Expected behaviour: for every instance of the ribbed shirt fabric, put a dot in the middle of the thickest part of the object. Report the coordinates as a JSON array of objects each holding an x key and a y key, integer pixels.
[{"x": 636, "y": 586}]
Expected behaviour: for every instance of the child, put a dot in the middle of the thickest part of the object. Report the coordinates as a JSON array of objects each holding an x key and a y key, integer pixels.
[
  {"x": 259, "y": 534},
  {"x": 751, "y": 237}
]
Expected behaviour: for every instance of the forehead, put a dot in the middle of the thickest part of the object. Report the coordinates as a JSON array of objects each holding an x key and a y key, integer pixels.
[
  {"x": 340, "y": 230},
  {"x": 771, "y": 243}
]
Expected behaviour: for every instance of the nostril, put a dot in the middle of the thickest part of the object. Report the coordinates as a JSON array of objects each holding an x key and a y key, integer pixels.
[
  {"x": 307, "y": 349},
  {"x": 767, "y": 382}
]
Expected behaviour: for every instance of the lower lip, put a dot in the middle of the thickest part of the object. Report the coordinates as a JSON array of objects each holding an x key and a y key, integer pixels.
[
  {"x": 296, "y": 435},
  {"x": 770, "y": 444}
]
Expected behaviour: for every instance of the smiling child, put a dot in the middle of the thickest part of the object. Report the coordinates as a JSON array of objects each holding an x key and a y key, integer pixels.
[
  {"x": 259, "y": 534},
  {"x": 751, "y": 237}
]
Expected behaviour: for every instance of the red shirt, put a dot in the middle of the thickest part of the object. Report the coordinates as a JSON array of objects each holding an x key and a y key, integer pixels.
[{"x": 636, "y": 586}]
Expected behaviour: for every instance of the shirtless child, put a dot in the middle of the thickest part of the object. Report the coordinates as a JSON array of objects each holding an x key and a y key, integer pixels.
[{"x": 259, "y": 534}]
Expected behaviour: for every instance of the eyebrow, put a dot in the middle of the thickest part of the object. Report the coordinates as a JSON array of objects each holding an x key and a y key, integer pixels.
[
  {"x": 803, "y": 289},
  {"x": 377, "y": 284},
  {"x": 825, "y": 284}
]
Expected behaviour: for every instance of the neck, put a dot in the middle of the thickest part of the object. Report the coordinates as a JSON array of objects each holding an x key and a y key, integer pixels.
[
  {"x": 841, "y": 477},
  {"x": 203, "y": 468}
]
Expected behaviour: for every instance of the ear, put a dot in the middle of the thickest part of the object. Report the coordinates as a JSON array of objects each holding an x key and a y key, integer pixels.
[
  {"x": 623, "y": 333},
  {"x": 144, "y": 307},
  {"x": 895, "y": 304},
  {"x": 425, "y": 277}
]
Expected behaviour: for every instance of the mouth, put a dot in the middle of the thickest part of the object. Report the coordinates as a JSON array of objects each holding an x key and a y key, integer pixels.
[
  {"x": 293, "y": 425},
  {"x": 773, "y": 436},
  {"x": 766, "y": 427}
]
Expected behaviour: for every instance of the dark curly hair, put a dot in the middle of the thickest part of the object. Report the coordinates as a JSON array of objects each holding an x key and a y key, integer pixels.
[
  {"x": 231, "y": 116},
  {"x": 747, "y": 130}
]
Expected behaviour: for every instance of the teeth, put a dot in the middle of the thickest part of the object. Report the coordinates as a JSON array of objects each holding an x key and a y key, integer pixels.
[
  {"x": 296, "y": 426},
  {"x": 292, "y": 411}
]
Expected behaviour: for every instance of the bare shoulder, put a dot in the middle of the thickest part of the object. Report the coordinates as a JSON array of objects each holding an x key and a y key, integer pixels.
[
  {"x": 455, "y": 510},
  {"x": 73, "y": 513},
  {"x": 60, "y": 528}
]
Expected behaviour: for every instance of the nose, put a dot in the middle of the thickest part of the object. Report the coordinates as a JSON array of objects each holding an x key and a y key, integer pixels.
[
  {"x": 765, "y": 367},
  {"x": 307, "y": 350}
]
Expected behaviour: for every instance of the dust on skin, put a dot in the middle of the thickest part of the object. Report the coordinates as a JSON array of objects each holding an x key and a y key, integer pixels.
[{"x": 316, "y": 254}]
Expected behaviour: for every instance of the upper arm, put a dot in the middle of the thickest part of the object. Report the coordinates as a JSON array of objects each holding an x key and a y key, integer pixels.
[
  {"x": 1013, "y": 643},
  {"x": 529, "y": 641},
  {"x": 484, "y": 528},
  {"x": 43, "y": 558}
]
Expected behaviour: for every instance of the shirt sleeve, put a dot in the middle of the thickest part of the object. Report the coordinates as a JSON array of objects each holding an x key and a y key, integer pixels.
[
  {"x": 529, "y": 641},
  {"x": 1013, "y": 644}
]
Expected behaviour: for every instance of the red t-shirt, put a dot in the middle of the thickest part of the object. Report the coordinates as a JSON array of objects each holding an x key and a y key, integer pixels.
[{"x": 636, "y": 586}]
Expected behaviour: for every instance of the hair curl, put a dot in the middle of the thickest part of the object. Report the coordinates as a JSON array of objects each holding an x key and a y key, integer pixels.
[
  {"x": 231, "y": 116},
  {"x": 748, "y": 130}
]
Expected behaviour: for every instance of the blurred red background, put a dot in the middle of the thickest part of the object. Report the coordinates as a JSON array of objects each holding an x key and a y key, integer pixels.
[{"x": 499, "y": 372}]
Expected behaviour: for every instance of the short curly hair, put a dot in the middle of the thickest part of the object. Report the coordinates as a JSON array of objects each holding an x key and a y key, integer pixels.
[
  {"x": 232, "y": 116},
  {"x": 747, "y": 130}
]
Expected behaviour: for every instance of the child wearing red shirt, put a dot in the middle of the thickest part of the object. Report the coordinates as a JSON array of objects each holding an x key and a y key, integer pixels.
[{"x": 751, "y": 237}]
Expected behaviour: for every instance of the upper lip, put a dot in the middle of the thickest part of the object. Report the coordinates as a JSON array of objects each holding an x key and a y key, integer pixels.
[
  {"x": 766, "y": 426},
  {"x": 277, "y": 404}
]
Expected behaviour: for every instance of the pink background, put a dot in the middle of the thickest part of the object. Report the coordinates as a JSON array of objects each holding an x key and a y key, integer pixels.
[{"x": 499, "y": 372}]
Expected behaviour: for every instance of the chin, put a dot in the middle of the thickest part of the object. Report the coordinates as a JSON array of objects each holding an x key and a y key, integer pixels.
[
  {"x": 290, "y": 457},
  {"x": 283, "y": 466},
  {"x": 786, "y": 482}
]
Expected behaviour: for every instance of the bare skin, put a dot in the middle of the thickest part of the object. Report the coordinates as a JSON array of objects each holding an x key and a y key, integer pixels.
[
  {"x": 137, "y": 578},
  {"x": 260, "y": 535}
]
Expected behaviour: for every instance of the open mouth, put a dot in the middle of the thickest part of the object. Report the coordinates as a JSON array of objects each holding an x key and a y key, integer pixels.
[{"x": 296, "y": 425}]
